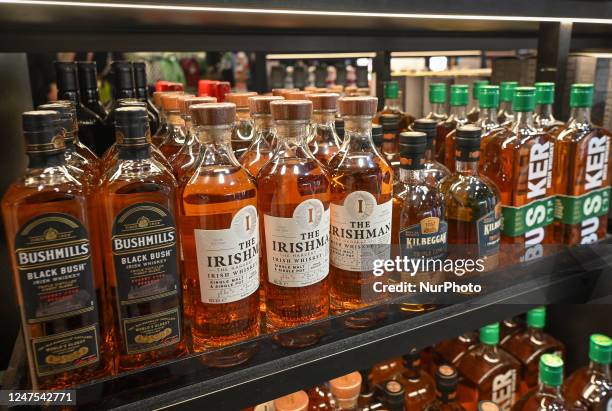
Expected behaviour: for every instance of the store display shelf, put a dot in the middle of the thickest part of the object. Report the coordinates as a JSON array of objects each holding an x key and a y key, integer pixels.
[{"x": 574, "y": 275}]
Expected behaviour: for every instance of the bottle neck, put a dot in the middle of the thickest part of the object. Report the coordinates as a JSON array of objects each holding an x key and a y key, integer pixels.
[
  {"x": 438, "y": 109},
  {"x": 580, "y": 116},
  {"x": 70, "y": 137},
  {"x": 429, "y": 151},
  {"x": 446, "y": 397},
  {"x": 487, "y": 115},
  {"x": 393, "y": 104},
  {"x": 600, "y": 369},
  {"x": 70, "y": 95},
  {"x": 467, "y": 168},
  {"x": 174, "y": 119},
  {"x": 216, "y": 145},
  {"x": 523, "y": 120},
  {"x": 141, "y": 94},
  {"x": 44, "y": 160},
  {"x": 263, "y": 128},
  {"x": 292, "y": 132},
  {"x": 550, "y": 390},
  {"x": 243, "y": 114},
  {"x": 458, "y": 112},
  {"x": 324, "y": 118},
  {"x": 90, "y": 96},
  {"x": 506, "y": 107},
  {"x": 413, "y": 177},
  {"x": 544, "y": 111},
  {"x": 135, "y": 152},
  {"x": 358, "y": 133},
  {"x": 124, "y": 93}
]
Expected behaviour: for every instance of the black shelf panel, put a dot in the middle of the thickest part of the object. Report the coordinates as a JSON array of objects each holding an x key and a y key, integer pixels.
[{"x": 574, "y": 275}]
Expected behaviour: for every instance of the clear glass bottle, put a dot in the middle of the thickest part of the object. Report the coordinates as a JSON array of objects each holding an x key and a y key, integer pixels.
[
  {"x": 474, "y": 113},
  {"x": 437, "y": 100},
  {"x": 456, "y": 119},
  {"x": 242, "y": 136},
  {"x": 505, "y": 115},
  {"x": 445, "y": 399},
  {"x": 548, "y": 396},
  {"x": 142, "y": 93},
  {"x": 220, "y": 233},
  {"x": 591, "y": 386},
  {"x": 543, "y": 115},
  {"x": 262, "y": 148},
  {"x": 488, "y": 372},
  {"x": 293, "y": 203},
  {"x": 529, "y": 345},
  {"x": 163, "y": 131},
  {"x": 175, "y": 139},
  {"x": 393, "y": 105},
  {"x": 361, "y": 208},
  {"x": 434, "y": 171},
  {"x": 326, "y": 142}
]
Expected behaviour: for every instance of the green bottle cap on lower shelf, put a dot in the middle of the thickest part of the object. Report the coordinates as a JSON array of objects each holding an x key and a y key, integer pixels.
[
  {"x": 536, "y": 317},
  {"x": 459, "y": 95},
  {"x": 437, "y": 93},
  {"x": 478, "y": 84},
  {"x": 507, "y": 90},
  {"x": 489, "y": 97},
  {"x": 524, "y": 99},
  {"x": 551, "y": 370},
  {"x": 489, "y": 334},
  {"x": 391, "y": 89},
  {"x": 600, "y": 349},
  {"x": 545, "y": 92},
  {"x": 581, "y": 95}
]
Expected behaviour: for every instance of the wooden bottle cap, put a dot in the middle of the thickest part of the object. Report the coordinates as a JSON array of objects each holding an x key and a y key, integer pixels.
[
  {"x": 240, "y": 99},
  {"x": 347, "y": 386},
  {"x": 324, "y": 101},
  {"x": 298, "y": 401},
  {"x": 170, "y": 101},
  {"x": 291, "y": 109},
  {"x": 357, "y": 106},
  {"x": 261, "y": 104},
  {"x": 186, "y": 101},
  {"x": 213, "y": 114},
  {"x": 297, "y": 95},
  {"x": 282, "y": 91}
]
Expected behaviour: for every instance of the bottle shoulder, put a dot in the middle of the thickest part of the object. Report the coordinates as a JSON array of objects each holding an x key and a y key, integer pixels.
[
  {"x": 475, "y": 185},
  {"x": 148, "y": 171}
]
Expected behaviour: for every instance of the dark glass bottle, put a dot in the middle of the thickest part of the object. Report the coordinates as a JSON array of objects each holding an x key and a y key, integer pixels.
[
  {"x": 419, "y": 387},
  {"x": 447, "y": 379},
  {"x": 140, "y": 84},
  {"x": 123, "y": 87},
  {"x": 88, "y": 87},
  {"x": 92, "y": 131}
]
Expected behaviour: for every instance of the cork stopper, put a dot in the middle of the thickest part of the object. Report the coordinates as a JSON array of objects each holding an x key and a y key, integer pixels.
[
  {"x": 261, "y": 104},
  {"x": 347, "y": 386},
  {"x": 357, "y": 106},
  {"x": 213, "y": 114},
  {"x": 157, "y": 97},
  {"x": 298, "y": 401},
  {"x": 240, "y": 99},
  {"x": 186, "y": 101},
  {"x": 324, "y": 101},
  {"x": 297, "y": 95},
  {"x": 291, "y": 109},
  {"x": 170, "y": 101},
  {"x": 282, "y": 91}
]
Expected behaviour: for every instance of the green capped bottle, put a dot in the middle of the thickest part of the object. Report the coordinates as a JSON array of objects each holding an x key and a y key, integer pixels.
[
  {"x": 474, "y": 113},
  {"x": 437, "y": 101},
  {"x": 393, "y": 105},
  {"x": 456, "y": 119},
  {"x": 548, "y": 395},
  {"x": 544, "y": 119},
  {"x": 505, "y": 115}
]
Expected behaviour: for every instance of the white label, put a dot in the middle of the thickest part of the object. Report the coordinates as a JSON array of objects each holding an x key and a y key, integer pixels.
[
  {"x": 297, "y": 248},
  {"x": 360, "y": 232},
  {"x": 503, "y": 388},
  {"x": 228, "y": 259}
]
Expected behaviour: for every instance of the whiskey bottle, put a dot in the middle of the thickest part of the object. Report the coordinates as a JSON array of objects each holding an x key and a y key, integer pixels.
[
  {"x": 377, "y": 136},
  {"x": 543, "y": 116},
  {"x": 242, "y": 136},
  {"x": 392, "y": 105},
  {"x": 261, "y": 149},
  {"x": 472, "y": 204},
  {"x": 293, "y": 203},
  {"x": 326, "y": 142},
  {"x": 391, "y": 397},
  {"x": 140, "y": 240},
  {"x": 510, "y": 327},
  {"x": 51, "y": 236},
  {"x": 220, "y": 233},
  {"x": 88, "y": 87},
  {"x": 419, "y": 387},
  {"x": 451, "y": 351},
  {"x": 582, "y": 174},
  {"x": 298, "y": 401},
  {"x": 520, "y": 162},
  {"x": 390, "y": 144},
  {"x": 142, "y": 94},
  {"x": 456, "y": 119},
  {"x": 386, "y": 370},
  {"x": 447, "y": 379},
  {"x": 505, "y": 115},
  {"x": 361, "y": 207},
  {"x": 488, "y": 372},
  {"x": 320, "y": 398},
  {"x": 163, "y": 131},
  {"x": 548, "y": 396},
  {"x": 186, "y": 157},
  {"x": 591, "y": 386},
  {"x": 434, "y": 171},
  {"x": 529, "y": 345},
  {"x": 175, "y": 138},
  {"x": 92, "y": 131},
  {"x": 474, "y": 113},
  {"x": 437, "y": 100},
  {"x": 345, "y": 391}
]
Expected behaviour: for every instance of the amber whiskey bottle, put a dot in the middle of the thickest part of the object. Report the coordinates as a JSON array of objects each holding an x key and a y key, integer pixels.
[
  {"x": 582, "y": 174},
  {"x": 92, "y": 131},
  {"x": 445, "y": 398},
  {"x": 176, "y": 136},
  {"x": 472, "y": 205},
  {"x": 293, "y": 204},
  {"x": 51, "y": 232},
  {"x": 393, "y": 105},
  {"x": 419, "y": 387},
  {"x": 474, "y": 114},
  {"x": 220, "y": 233},
  {"x": 434, "y": 171},
  {"x": 510, "y": 327},
  {"x": 547, "y": 396},
  {"x": 505, "y": 115},
  {"x": 488, "y": 372},
  {"x": 88, "y": 87},
  {"x": 140, "y": 240},
  {"x": 142, "y": 93},
  {"x": 456, "y": 119},
  {"x": 590, "y": 387},
  {"x": 261, "y": 149},
  {"x": 326, "y": 142},
  {"x": 437, "y": 100},
  {"x": 389, "y": 148},
  {"x": 543, "y": 116},
  {"x": 451, "y": 351},
  {"x": 242, "y": 136},
  {"x": 361, "y": 207}
]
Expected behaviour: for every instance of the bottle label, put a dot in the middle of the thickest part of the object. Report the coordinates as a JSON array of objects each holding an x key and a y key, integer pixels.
[
  {"x": 428, "y": 239},
  {"x": 519, "y": 220},
  {"x": 145, "y": 253},
  {"x": 152, "y": 332},
  {"x": 228, "y": 259},
  {"x": 297, "y": 248},
  {"x": 503, "y": 389},
  {"x": 360, "y": 232},
  {"x": 575, "y": 209},
  {"x": 66, "y": 351},
  {"x": 488, "y": 227},
  {"x": 53, "y": 256}
]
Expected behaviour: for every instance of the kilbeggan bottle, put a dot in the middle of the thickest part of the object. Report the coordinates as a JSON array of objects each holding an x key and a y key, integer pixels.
[
  {"x": 262, "y": 148},
  {"x": 543, "y": 116},
  {"x": 547, "y": 396},
  {"x": 456, "y": 119},
  {"x": 140, "y": 239},
  {"x": 51, "y": 232},
  {"x": 361, "y": 207},
  {"x": 505, "y": 115},
  {"x": 326, "y": 142},
  {"x": 293, "y": 204},
  {"x": 582, "y": 175},
  {"x": 474, "y": 113},
  {"x": 220, "y": 233}
]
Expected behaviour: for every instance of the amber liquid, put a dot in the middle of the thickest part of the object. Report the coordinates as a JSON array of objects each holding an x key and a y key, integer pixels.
[
  {"x": 451, "y": 351},
  {"x": 442, "y": 144},
  {"x": 589, "y": 387},
  {"x": 419, "y": 387},
  {"x": 175, "y": 139},
  {"x": 549, "y": 400},
  {"x": 405, "y": 121},
  {"x": 326, "y": 142},
  {"x": 40, "y": 193},
  {"x": 261, "y": 150},
  {"x": 386, "y": 370}
]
